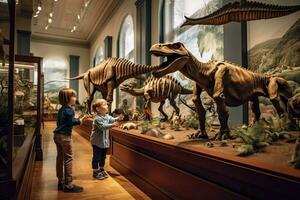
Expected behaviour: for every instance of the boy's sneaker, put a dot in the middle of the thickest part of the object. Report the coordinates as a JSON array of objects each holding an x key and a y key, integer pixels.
[
  {"x": 74, "y": 189},
  {"x": 60, "y": 186},
  {"x": 99, "y": 175},
  {"x": 105, "y": 174}
]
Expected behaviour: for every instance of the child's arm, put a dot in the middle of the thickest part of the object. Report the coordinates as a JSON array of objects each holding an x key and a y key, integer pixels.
[
  {"x": 98, "y": 122},
  {"x": 114, "y": 119},
  {"x": 70, "y": 120}
]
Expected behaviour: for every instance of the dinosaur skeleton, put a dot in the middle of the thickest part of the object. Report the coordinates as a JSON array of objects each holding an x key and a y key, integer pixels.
[
  {"x": 240, "y": 12},
  {"x": 227, "y": 83},
  {"x": 108, "y": 75},
  {"x": 158, "y": 90}
]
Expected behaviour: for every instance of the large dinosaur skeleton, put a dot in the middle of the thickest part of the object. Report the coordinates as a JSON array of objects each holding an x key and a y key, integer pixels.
[
  {"x": 240, "y": 12},
  {"x": 228, "y": 84},
  {"x": 158, "y": 90},
  {"x": 108, "y": 75}
]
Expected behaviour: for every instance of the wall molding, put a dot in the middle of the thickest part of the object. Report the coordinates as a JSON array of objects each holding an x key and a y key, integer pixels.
[{"x": 59, "y": 41}]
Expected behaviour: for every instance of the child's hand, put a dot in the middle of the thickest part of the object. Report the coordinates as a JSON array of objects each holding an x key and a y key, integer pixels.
[
  {"x": 121, "y": 117},
  {"x": 115, "y": 124},
  {"x": 77, "y": 115}
]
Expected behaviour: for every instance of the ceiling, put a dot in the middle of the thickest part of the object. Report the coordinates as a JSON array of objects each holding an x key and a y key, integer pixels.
[{"x": 65, "y": 17}]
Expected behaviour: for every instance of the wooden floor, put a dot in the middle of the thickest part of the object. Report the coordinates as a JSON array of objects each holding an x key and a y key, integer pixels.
[{"x": 44, "y": 181}]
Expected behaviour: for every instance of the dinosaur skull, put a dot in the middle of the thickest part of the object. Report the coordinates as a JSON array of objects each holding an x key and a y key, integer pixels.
[
  {"x": 176, "y": 54},
  {"x": 128, "y": 86}
]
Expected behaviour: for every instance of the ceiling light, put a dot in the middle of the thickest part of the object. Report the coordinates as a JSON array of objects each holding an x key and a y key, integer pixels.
[
  {"x": 55, "y": 0},
  {"x": 50, "y": 20},
  {"x": 78, "y": 17},
  {"x": 46, "y": 28},
  {"x": 37, "y": 12},
  {"x": 39, "y": 8},
  {"x": 72, "y": 31},
  {"x": 86, "y": 4},
  {"x": 36, "y": 15},
  {"x": 51, "y": 14}
]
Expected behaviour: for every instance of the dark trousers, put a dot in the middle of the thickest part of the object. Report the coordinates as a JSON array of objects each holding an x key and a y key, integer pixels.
[{"x": 99, "y": 155}]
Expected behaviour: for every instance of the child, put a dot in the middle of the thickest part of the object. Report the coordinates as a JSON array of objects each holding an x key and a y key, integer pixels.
[
  {"x": 100, "y": 137},
  {"x": 66, "y": 119}
]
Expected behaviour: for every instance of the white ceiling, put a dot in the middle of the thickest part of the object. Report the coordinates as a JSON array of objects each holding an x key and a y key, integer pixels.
[{"x": 65, "y": 17}]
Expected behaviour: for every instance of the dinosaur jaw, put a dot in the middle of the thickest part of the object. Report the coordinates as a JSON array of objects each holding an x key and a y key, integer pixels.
[{"x": 173, "y": 63}]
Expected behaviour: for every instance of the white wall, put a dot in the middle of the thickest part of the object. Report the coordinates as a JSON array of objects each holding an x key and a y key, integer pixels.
[{"x": 61, "y": 53}]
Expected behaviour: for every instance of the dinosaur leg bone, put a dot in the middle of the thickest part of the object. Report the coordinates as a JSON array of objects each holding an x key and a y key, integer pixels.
[
  {"x": 274, "y": 96},
  {"x": 223, "y": 117},
  {"x": 219, "y": 85},
  {"x": 160, "y": 108},
  {"x": 255, "y": 109},
  {"x": 173, "y": 104},
  {"x": 201, "y": 133}
]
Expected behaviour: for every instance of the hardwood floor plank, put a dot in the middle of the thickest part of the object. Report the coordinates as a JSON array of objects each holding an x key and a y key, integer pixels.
[{"x": 44, "y": 181}]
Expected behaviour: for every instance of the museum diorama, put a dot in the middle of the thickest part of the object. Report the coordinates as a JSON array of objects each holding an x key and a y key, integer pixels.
[
  {"x": 267, "y": 142},
  {"x": 219, "y": 113}
]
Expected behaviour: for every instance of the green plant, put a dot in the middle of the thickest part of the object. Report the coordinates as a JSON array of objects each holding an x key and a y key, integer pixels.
[{"x": 261, "y": 134}]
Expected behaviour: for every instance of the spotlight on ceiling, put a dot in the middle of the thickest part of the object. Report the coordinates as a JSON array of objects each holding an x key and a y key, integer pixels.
[
  {"x": 78, "y": 17},
  {"x": 50, "y": 20},
  {"x": 36, "y": 15},
  {"x": 39, "y": 8},
  {"x": 46, "y": 27},
  {"x": 51, "y": 14}
]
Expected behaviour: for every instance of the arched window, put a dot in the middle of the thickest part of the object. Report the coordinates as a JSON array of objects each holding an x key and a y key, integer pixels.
[
  {"x": 126, "y": 39},
  {"x": 126, "y": 50},
  {"x": 99, "y": 56}
]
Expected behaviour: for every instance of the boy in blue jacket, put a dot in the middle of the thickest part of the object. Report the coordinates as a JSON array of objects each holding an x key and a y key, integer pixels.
[{"x": 66, "y": 119}]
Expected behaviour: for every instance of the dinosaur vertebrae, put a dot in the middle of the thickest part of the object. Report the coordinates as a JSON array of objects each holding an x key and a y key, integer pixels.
[
  {"x": 118, "y": 68},
  {"x": 166, "y": 86},
  {"x": 243, "y": 12}
]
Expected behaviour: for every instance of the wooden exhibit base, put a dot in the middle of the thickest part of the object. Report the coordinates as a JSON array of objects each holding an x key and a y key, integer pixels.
[{"x": 166, "y": 170}]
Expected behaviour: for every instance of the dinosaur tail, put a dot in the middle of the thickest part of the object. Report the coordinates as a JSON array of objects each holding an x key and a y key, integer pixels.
[
  {"x": 77, "y": 77},
  {"x": 185, "y": 103},
  {"x": 186, "y": 91}
]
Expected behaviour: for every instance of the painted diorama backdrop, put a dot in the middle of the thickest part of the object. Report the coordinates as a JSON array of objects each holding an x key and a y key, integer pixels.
[
  {"x": 205, "y": 42},
  {"x": 56, "y": 71},
  {"x": 274, "y": 48}
]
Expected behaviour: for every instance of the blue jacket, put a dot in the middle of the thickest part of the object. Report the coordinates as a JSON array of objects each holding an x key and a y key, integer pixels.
[
  {"x": 66, "y": 120},
  {"x": 100, "y": 132}
]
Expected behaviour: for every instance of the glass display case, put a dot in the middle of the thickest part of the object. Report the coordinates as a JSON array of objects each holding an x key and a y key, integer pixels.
[
  {"x": 20, "y": 111},
  {"x": 257, "y": 159}
]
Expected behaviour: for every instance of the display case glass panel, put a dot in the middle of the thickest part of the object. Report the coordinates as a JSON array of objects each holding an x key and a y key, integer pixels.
[
  {"x": 4, "y": 72},
  {"x": 25, "y": 102}
]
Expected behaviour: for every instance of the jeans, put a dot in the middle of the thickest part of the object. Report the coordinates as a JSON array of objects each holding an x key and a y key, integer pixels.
[
  {"x": 99, "y": 155},
  {"x": 64, "y": 158}
]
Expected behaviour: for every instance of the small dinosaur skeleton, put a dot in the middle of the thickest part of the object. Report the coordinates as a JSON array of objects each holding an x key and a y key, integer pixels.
[
  {"x": 129, "y": 125},
  {"x": 227, "y": 83},
  {"x": 158, "y": 90},
  {"x": 110, "y": 74},
  {"x": 239, "y": 12}
]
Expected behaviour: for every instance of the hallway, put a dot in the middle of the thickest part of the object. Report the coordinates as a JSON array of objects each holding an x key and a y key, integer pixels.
[{"x": 44, "y": 181}]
